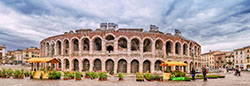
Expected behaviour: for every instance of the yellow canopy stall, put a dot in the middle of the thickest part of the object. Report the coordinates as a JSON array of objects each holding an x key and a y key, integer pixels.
[
  {"x": 43, "y": 60},
  {"x": 166, "y": 63}
]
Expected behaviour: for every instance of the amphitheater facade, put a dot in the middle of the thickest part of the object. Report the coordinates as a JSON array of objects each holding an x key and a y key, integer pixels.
[{"x": 126, "y": 50}]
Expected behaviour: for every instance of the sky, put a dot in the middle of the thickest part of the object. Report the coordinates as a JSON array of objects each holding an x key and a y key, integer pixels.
[{"x": 214, "y": 24}]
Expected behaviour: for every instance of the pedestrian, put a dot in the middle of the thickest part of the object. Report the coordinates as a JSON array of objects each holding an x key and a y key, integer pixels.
[
  {"x": 204, "y": 72},
  {"x": 239, "y": 69},
  {"x": 193, "y": 73},
  {"x": 236, "y": 71}
]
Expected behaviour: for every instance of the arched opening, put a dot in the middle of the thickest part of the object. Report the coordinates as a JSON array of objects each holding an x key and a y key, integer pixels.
[
  {"x": 85, "y": 65},
  {"x": 169, "y": 47},
  {"x": 109, "y": 65},
  {"x": 59, "y": 64},
  {"x": 59, "y": 47},
  {"x": 122, "y": 44},
  {"x": 184, "y": 67},
  {"x": 147, "y": 45},
  {"x": 122, "y": 66},
  {"x": 75, "y": 45},
  {"x": 158, "y": 45},
  {"x": 85, "y": 44},
  {"x": 66, "y": 47},
  {"x": 191, "y": 66},
  {"x": 98, "y": 44},
  {"x": 190, "y": 49},
  {"x": 97, "y": 65},
  {"x": 53, "y": 48},
  {"x": 134, "y": 66},
  {"x": 177, "y": 48},
  {"x": 110, "y": 37},
  {"x": 185, "y": 50},
  {"x": 47, "y": 49},
  {"x": 146, "y": 66},
  {"x": 66, "y": 63},
  {"x": 110, "y": 48},
  {"x": 157, "y": 65},
  {"x": 195, "y": 50},
  {"x": 135, "y": 44},
  {"x": 76, "y": 65}
]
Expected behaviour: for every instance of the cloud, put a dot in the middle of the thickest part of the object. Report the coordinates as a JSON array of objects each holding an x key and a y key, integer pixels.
[{"x": 216, "y": 25}]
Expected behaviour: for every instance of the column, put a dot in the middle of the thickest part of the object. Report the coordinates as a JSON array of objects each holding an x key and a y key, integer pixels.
[
  {"x": 80, "y": 65},
  {"x": 153, "y": 49},
  {"x": 62, "y": 64},
  {"x": 128, "y": 67},
  {"x": 141, "y": 67},
  {"x": 115, "y": 66},
  {"x": 103, "y": 65},
  {"x": 129, "y": 47},
  {"x": 141, "y": 48},
  {"x": 152, "y": 67}
]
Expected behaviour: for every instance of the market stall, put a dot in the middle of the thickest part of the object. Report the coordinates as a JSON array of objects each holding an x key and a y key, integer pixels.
[{"x": 178, "y": 72}]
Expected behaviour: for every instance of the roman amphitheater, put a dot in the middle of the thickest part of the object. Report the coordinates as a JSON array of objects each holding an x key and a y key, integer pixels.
[{"x": 126, "y": 50}]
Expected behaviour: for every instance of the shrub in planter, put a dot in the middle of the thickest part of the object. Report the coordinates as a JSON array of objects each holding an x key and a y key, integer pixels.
[
  {"x": 139, "y": 76},
  {"x": 120, "y": 75},
  {"x": 55, "y": 75},
  {"x": 0, "y": 73},
  {"x": 42, "y": 69},
  {"x": 103, "y": 76},
  {"x": 78, "y": 75},
  {"x": 111, "y": 72},
  {"x": 151, "y": 77},
  {"x": 87, "y": 75},
  {"x": 157, "y": 77},
  {"x": 71, "y": 75},
  {"x": 147, "y": 76},
  {"x": 66, "y": 75},
  {"x": 93, "y": 75},
  {"x": 9, "y": 73},
  {"x": 4, "y": 73},
  {"x": 18, "y": 74},
  {"x": 27, "y": 74},
  {"x": 187, "y": 78}
]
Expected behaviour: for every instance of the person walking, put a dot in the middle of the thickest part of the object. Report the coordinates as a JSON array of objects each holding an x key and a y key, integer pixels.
[
  {"x": 239, "y": 69},
  {"x": 193, "y": 73},
  {"x": 236, "y": 71},
  {"x": 204, "y": 72}
]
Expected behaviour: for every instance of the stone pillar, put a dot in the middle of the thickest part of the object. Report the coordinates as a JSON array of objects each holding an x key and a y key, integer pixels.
[
  {"x": 91, "y": 65},
  {"x": 115, "y": 66},
  {"x": 141, "y": 48},
  {"x": 80, "y": 65},
  {"x": 62, "y": 64},
  {"x": 129, "y": 48},
  {"x": 152, "y": 67},
  {"x": 91, "y": 47},
  {"x": 128, "y": 67},
  {"x": 141, "y": 67},
  {"x": 80, "y": 48},
  {"x": 103, "y": 46},
  {"x": 164, "y": 50},
  {"x": 70, "y": 48},
  {"x": 115, "y": 46},
  {"x": 153, "y": 49},
  {"x": 103, "y": 65}
]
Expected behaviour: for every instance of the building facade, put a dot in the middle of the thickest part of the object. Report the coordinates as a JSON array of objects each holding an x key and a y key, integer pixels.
[
  {"x": 241, "y": 57},
  {"x": 209, "y": 59},
  {"x": 126, "y": 50},
  {"x": 2, "y": 52},
  {"x": 229, "y": 60},
  {"x": 28, "y": 53},
  {"x": 220, "y": 60}
]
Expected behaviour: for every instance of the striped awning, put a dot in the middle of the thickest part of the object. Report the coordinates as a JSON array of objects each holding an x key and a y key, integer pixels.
[
  {"x": 43, "y": 60},
  {"x": 167, "y": 63}
]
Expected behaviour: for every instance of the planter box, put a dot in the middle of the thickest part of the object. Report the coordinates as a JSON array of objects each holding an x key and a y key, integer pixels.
[
  {"x": 178, "y": 78},
  {"x": 166, "y": 76}
]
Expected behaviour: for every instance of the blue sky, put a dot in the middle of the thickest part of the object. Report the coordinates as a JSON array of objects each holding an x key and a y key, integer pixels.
[{"x": 215, "y": 24}]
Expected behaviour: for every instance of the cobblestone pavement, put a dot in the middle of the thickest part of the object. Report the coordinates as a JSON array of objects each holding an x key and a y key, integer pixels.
[{"x": 230, "y": 80}]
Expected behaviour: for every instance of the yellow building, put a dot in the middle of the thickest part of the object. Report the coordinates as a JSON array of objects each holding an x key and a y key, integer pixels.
[
  {"x": 29, "y": 53},
  {"x": 241, "y": 57},
  {"x": 209, "y": 58}
]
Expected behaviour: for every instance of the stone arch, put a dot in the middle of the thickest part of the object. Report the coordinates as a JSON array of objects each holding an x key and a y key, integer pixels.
[
  {"x": 122, "y": 44},
  {"x": 185, "y": 49},
  {"x": 191, "y": 65},
  {"x": 185, "y": 67},
  {"x": 190, "y": 49},
  {"x": 157, "y": 65},
  {"x": 97, "y": 44},
  {"x": 135, "y": 44},
  {"x": 66, "y": 62},
  {"x": 158, "y": 44},
  {"x": 66, "y": 46},
  {"x": 75, "y": 64},
  {"x": 85, "y": 44},
  {"x": 110, "y": 37},
  {"x": 134, "y": 66},
  {"x": 195, "y": 50},
  {"x": 52, "y": 47},
  {"x": 109, "y": 65},
  {"x": 146, "y": 66},
  {"x": 59, "y": 47},
  {"x": 85, "y": 65},
  {"x": 169, "y": 47},
  {"x": 47, "y": 49},
  {"x": 178, "y": 48},
  {"x": 75, "y": 44},
  {"x": 147, "y": 45},
  {"x": 122, "y": 66},
  {"x": 97, "y": 65}
]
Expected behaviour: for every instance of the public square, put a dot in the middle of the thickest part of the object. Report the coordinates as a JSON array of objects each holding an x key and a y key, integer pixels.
[{"x": 229, "y": 80}]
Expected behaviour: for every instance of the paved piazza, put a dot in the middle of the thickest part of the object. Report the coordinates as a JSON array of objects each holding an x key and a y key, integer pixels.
[{"x": 230, "y": 80}]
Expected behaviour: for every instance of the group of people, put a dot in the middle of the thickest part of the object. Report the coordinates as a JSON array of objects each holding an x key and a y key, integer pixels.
[
  {"x": 237, "y": 71},
  {"x": 204, "y": 73}
]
